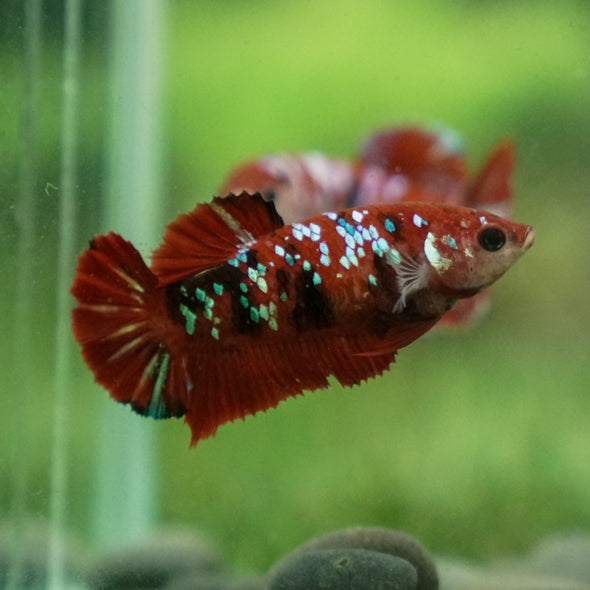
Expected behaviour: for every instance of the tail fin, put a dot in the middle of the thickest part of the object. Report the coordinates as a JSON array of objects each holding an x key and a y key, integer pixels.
[{"x": 120, "y": 322}]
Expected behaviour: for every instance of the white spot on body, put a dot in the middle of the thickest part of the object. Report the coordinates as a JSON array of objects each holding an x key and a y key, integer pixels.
[
  {"x": 437, "y": 261},
  {"x": 418, "y": 221}
]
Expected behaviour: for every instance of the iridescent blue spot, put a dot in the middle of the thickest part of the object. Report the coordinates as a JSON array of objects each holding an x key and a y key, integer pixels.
[
  {"x": 261, "y": 282},
  {"x": 357, "y": 216},
  {"x": 261, "y": 268},
  {"x": 190, "y": 319},
  {"x": 325, "y": 260},
  {"x": 345, "y": 262},
  {"x": 208, "y": 313},
  {"x": 242, "y": 257},
  {"x": 284, "y": 296},
  {"x": 215, "y": 333},
  {"x": 342, "y": 222},
  {"x": 452, "y": 243},
  {"x": 244, "y": 301},
  {"x": 358, "y": 236},
  {"x": 279, "y": 251},
  {"x": 218, "y": 288},
  {"x": 418, "y": 221},
  {"x": 209, "y": 302},
  {"x": 350, "y": 241},
  {"x": 389, "y": 225},
  {"x": 306, "y": 265},
  {"x": 254, "y": 314},
  {"x": 289, "y": 259},
  {"x": 272, "y": 308},
  {"x": 233, "y": 262},
  {"x": 350, "y": 229},
  {"x": 383, "y": 245},
  {"x": 372, "y": 280},
  {"x": 324, "y": 248},
  {"x": 393, "y": 256},
  {"x": 352, "y": 256},
  {"x": 272, "y": 324},
  {"x": 243, "y": 287},
  {"x": 297, "y": 234},
  {"x": 252, "y": 274},
  {"x": 316, "y": 278},
  {"x": 200, "y": 294},
  {"x": 264, "y": 312},
  {"x": 376, "y": 248}
]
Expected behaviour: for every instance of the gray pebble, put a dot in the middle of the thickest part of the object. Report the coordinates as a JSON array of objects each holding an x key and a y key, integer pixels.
[
  {"x": 154, "y": 563},
  {"x": 381, "y": 540},
  {"x": 342, "y": 569}
]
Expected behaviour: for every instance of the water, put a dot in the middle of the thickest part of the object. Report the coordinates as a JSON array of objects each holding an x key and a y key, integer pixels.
[{"x": 474, "y": 442}]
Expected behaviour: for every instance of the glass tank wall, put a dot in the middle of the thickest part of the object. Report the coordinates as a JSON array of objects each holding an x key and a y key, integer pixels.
[{"x": 118, "y": 116}]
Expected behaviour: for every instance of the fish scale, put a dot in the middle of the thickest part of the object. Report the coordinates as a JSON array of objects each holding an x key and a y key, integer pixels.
[{"x": 239, "y": 311}]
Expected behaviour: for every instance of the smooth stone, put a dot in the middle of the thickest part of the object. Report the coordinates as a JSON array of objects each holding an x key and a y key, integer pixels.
[
  {"x": 217, "y": 582},
  {"x": 154, "y": 563},
  {"x": 565, "y": 554},
  {"x": 381, "y": 540},
  {"x": 342, "y": 569}
]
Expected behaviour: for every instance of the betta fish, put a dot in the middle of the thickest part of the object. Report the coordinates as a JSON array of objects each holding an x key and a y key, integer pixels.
[
  {"x": 395, "y": 165},
  {"x": 239, "y": 311},
  {"x": 301, "y": 186}
]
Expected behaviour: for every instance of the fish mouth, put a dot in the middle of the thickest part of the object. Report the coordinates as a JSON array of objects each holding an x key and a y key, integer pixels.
[{"x": 529, "y": 238}]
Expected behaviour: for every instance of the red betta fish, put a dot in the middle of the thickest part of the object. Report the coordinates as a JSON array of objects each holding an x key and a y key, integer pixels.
[{"x": 239, "y": 311}]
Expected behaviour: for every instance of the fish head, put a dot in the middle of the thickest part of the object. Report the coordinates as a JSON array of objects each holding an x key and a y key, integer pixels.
[{"x": 469, "y": 249}]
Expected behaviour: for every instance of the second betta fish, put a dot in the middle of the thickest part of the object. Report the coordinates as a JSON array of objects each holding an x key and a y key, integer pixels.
[{"x": 239, "y": 311}]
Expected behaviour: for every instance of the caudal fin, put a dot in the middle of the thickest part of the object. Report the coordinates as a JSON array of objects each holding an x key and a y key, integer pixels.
[{"x": 121, "y": 324}]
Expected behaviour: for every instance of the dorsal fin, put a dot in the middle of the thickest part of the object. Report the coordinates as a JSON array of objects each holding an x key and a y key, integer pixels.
[{"x": 211, "y": 234}]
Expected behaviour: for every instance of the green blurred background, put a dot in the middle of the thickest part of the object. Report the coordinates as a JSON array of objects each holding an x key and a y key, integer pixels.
[{"x": 475, "y": 442}]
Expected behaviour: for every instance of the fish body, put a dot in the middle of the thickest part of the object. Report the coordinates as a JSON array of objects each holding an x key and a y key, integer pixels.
[
  {"x": 405, "y": 164},
  {"x": 239, "y": 311}
]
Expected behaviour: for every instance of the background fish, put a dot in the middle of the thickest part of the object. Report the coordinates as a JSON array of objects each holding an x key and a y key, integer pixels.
[
  {"x": 402, "y": 164},
  {"x": 239, "y": 311}
]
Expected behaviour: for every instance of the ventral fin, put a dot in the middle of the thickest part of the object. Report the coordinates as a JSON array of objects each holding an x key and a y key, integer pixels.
[
  {"x": 211, "y": 234},
  {"x": 398, "y": 337}
]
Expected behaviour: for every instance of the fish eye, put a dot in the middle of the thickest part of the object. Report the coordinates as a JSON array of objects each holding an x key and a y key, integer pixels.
[{"x": 492, "y": 239}]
